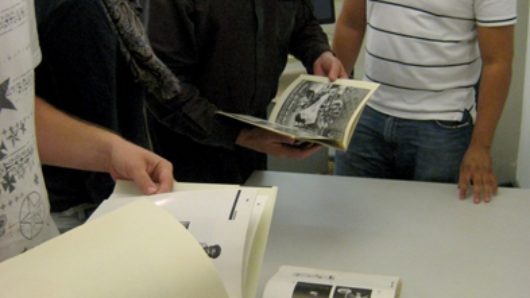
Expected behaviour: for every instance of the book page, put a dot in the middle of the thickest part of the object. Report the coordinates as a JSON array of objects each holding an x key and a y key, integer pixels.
[
  {"x": 136, "y": 251},
  {"x": 319, "y": 107},
  {"x": 257, "y": 241},
  {"x": 218, "y": 219},
  {"x": 293, "y": 132},
  {"x": 257, "y": 230},
  {"x": 300, "y": 282}
]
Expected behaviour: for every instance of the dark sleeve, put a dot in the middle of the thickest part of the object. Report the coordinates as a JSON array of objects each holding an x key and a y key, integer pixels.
[
  {"x": 172, "y": 36},
  {"x": 308, "y": 40},
  {"x": 193, "y": 116}
]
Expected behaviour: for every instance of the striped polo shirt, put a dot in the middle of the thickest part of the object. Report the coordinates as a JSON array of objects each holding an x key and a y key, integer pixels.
[{"x": 425, "y": 54}]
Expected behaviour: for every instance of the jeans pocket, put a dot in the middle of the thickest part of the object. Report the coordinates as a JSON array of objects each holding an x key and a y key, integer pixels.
[{"x": 449, "y": 124}]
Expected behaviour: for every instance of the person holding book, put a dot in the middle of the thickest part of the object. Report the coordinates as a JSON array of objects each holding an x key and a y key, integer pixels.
[
  {"x": 229, "y": 55},
  {"x": 426, "y": 121},
  {"x": 34, "y": 131}
]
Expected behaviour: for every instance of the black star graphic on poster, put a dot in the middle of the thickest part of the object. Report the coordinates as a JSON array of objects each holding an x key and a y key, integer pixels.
[
  {"x": 8, "y": 182},
  {"x": 4, "y": 102}
]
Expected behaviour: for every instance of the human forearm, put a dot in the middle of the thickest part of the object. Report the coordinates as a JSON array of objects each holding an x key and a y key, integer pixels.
[
  {"x": 477, "y": 163},
  {"x": 496, "y": 46},
  {"x": 493, "y": 92},
  {"x": 349, "y": 33},
  {"x": 191, "y": 115},
  {"x": 64, "y": 141},
  {"x": 347, "y": 45},
  {"x": 67, "y": 142}
]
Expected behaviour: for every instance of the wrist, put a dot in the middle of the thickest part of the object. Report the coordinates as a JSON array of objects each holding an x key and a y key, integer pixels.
[
  {"x": 480, "y": 145},
  {"x": 109, "y": 143}
]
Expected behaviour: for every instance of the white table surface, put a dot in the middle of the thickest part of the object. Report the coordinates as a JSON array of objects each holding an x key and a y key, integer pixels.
[{"x": 438, "y": 245}]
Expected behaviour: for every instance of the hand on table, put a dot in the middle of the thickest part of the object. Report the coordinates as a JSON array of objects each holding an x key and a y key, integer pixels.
[{"x": 476, "y": 171}]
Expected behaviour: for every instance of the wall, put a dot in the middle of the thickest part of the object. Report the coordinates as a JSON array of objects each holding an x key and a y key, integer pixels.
[{"x": 523, "y": 162}]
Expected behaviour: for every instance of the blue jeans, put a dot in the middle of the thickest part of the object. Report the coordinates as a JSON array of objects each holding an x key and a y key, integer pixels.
[{"x": 388, "y": 147}]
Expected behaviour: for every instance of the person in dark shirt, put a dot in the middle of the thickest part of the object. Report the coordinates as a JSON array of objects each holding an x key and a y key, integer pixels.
[{"x": 230, "y": 53}]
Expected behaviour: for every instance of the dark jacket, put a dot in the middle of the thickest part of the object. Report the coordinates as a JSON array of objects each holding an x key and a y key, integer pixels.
[{"x": 233, "y": 52}]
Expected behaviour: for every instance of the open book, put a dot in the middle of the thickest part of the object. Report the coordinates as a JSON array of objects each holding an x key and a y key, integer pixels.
[
  {"x": 314, "y": 110},
  {"x": 299, "y": 282},
  {"x": 200, "y": 241}
]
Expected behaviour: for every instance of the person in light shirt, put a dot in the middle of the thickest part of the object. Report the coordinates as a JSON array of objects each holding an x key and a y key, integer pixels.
[
  {"x": 32, "y": 131},
  {"x": 427, "y": 121}
]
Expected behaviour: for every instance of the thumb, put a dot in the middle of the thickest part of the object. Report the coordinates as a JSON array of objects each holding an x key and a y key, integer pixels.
[{"x": 144, "y": 182}]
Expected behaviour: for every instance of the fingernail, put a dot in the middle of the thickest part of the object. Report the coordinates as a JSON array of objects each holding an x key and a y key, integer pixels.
[{"x": 151, "y": 189}]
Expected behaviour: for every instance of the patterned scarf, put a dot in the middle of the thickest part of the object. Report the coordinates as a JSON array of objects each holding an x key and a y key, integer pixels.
[{"x": 145, "y": 66}]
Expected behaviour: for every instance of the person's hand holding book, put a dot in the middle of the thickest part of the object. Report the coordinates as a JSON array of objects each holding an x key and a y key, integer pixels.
[{"x": 275, "y": 144}]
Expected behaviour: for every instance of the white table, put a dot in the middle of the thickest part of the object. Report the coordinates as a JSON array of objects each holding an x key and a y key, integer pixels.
[{"x": 438, "y": 245}]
